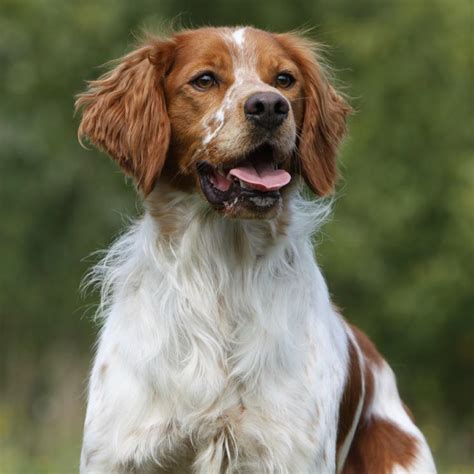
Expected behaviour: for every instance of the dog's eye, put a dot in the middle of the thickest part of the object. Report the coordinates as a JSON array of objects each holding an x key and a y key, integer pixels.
[
  {"x": 204, "y": 82},
  {"x": 284, "y": 80}
]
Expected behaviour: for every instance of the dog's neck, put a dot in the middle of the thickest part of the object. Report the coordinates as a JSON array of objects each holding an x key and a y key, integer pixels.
[
  {"x": 186, "y": 225},
  {"x": 227, "y": 280},
  {"x": 235, "y": 294}
]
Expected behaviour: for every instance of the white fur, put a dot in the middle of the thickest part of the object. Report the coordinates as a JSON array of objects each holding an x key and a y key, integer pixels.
[
  {"x": 220, "y": 347},
  {"x": 224, "y": 340},
  {"x": 387, "y": 405},
  {"x": 239, "y": 36}
]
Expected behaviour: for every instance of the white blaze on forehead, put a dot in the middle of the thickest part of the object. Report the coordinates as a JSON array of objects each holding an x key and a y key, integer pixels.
[{"x": 239, "y": 37}]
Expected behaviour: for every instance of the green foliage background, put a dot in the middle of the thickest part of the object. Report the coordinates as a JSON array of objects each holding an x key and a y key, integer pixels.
[{"x": 398, "y": 253}]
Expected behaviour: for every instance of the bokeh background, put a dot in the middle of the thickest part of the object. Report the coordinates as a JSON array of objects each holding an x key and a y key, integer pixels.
[{"x": 398, "y": 252}]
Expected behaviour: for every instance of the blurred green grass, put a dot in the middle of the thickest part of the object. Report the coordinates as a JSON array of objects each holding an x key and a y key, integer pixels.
[{"x": 397, "y": 253}]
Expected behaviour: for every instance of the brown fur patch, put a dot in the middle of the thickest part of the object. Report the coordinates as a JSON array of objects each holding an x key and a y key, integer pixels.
[
  {"x": 124, "y": 112},
  {"x": 324, "y": 120},
  {"x": 367, "y": 347},
  {"x": 378, "y": 447}
]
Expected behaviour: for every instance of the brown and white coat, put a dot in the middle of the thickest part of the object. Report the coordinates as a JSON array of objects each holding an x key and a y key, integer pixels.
[{"x": 220, "y": 349}]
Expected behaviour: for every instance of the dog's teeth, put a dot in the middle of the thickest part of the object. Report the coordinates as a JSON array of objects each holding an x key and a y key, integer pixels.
[
  {"x": 262, "y": 201},
  {"x": 220, "y": 170},
  {"x": 243, "y": 184}
]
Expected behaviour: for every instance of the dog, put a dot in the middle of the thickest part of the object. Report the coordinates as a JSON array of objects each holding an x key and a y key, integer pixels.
[{"x": 220, "y": 350}]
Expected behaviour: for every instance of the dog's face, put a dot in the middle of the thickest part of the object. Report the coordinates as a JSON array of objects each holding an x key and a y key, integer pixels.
[{"x": 233, "y": 113}]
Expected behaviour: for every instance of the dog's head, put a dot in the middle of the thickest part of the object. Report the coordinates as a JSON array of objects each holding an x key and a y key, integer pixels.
[{"x": 233, "y": 112}]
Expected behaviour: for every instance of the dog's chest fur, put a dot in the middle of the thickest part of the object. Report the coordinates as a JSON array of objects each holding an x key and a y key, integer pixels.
[{"x": 219, "y": 342}]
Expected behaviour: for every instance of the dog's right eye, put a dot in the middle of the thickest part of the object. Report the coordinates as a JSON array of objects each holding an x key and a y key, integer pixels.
[{"x": 204, "y": 82}]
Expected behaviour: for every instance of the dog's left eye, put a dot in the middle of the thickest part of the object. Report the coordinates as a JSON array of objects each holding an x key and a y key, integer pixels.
[
  {"x": 284, "y": 80},
  {"x": 204, "y": 82}
]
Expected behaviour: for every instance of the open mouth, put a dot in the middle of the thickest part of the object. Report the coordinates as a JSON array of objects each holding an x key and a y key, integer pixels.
[{"x": 254, "y": 181}]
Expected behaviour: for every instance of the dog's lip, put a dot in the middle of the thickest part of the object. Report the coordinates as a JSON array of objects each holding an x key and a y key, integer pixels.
[
  {"x": 235, "y": 192},
  {"x": 223, "y": 185}
]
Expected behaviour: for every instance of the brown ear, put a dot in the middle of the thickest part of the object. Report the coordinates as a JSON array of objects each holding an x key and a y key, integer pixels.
[
  {"x": 324, "y": 119},
  {"x": 124, "y": 112}
]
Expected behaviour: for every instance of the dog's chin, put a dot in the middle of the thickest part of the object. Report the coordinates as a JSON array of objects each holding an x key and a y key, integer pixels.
[
  {"x": 253, "y": 207},
  {"x": 236, "y": 198}
]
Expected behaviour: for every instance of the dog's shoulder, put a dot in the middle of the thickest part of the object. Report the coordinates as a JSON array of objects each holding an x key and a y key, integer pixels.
[{"x": 376, "y": 431}]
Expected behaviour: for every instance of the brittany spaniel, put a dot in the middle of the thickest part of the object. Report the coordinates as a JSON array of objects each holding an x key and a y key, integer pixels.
[{"x": 220, "y": 350}]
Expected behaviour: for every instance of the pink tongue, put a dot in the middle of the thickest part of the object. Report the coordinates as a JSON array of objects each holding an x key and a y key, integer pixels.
[
  {"x": 261, "y": 176},
  {"x": 220, "y": 182}
]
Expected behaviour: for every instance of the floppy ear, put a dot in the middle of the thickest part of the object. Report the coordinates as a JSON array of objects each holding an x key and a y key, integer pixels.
[
  {"x": 324, "y": 119},
  {"x": 124, "y": 112}
]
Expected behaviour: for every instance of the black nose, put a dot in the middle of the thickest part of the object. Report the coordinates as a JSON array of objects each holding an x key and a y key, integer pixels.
[{"x": 266, "y": 109}]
